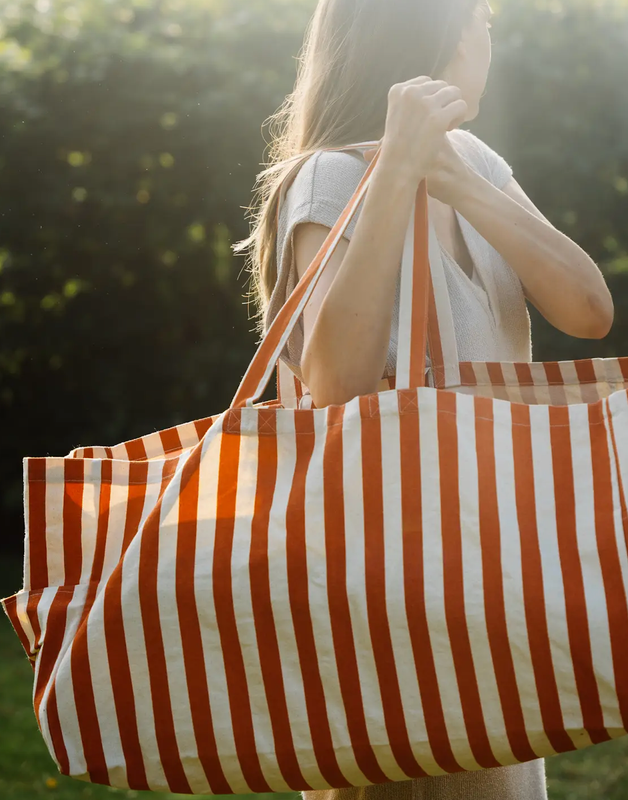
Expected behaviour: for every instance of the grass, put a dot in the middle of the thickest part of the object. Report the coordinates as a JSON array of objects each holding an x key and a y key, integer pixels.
[{"x": 27, "y": 772}]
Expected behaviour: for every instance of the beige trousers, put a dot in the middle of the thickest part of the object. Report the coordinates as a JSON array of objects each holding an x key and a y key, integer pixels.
[{"x": 519, "y": 782}]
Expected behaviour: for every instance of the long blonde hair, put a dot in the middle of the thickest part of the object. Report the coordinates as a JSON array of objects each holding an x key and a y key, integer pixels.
[{"x": 353, "y": 52}]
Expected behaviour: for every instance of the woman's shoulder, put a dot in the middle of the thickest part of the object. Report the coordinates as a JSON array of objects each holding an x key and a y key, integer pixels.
[
  {"x": 321, "y": 190},
  {"x": 329, "y": 177},
  {"x": 481, "y": 157}
]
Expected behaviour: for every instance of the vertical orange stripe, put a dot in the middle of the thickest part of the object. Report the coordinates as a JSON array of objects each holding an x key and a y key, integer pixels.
[
  {"x": 585, "y": 370},
  {"x": 239, "y": 701},
  {"x": 421, "y": 286},
  {"x": 32, "y": 611},
  {"x": 298, "y": 589},
  {"x": 56, "y": 734},
  {"x": 434, "y": 342},
  {"x": 609, "y": 557},
  {"x": 54, "y": 631},
  {"x": 494, "y": 603},
  {"x": 104, "y": 503},
  {"x": 573, "y": 580},
  {"x": 453, "y": 577},
  {"x": 342, "y": 631},
  {"x": 524, "y": 373},
  {"x": 53, "y": 639},
  {"x": 620, "y": 482},
  {"x": 269, "y": 654},
  {"x": 170, "y": 441},
  {"x": 373, "y": 499},
  {"x": 37, "y": 543},
  {"x": 117, "y": 652},
  {"x": 533, "y": 592},
  {"x": 414, "y": 583},
  {"x": 467, "y": 374},
  {"x": 202, "y": 426},
  {"x": 553, "y": 373},
  {"x": 194, "y": 658},
  {"x": 136, "y": 495},
  {"x": 623, "y": 366},
  {"x": 136, "y": 451},
  {"x": 72, "y": 526},
  {"x": 495, "y": 373},
  {"x": 121, "y": 684},
  {"x": 89, "y": 725},
  {"x": 10, "y": 606},
  {"x": 169, "y": 754}
]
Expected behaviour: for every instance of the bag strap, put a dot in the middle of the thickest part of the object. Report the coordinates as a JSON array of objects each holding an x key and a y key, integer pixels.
[{"x": 419, "y": 301}]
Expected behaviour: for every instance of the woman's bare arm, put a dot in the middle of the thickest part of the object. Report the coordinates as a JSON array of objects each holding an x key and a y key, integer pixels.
[
  {"x": 347, "y": 324},
  {"x": 347, "y": 321},
  {"x": 558, "y": 277}
]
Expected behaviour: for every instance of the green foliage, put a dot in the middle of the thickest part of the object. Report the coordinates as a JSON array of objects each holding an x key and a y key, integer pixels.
[
  {"x": 557, "y": 109},
  {"x": 130, "y": 146}
]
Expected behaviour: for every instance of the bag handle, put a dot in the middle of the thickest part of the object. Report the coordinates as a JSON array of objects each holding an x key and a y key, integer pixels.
[{"x": 419, "y": 301}]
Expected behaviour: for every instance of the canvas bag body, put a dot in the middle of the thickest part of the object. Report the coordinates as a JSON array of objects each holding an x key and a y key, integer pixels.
[{"x": 423, "y": 580}]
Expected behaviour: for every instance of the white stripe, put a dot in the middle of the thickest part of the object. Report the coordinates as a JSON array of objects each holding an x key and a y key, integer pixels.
[
  {"x": 43, "y": 611},
  {"x": 281, "y": 607},
  {"x": 353, "y": 492},
  {"x": 619, "y": 523},
  {"x": 21, "y": 603},
  {"x": 434, "y": 579},
  {"x": 90, "y": 506},
  {"x": 473, "y": 580},
  {"x": 55, "y": 492},
  {"x": 173, "y": 644},
  {"x": 118, "y": 510},
  {"x": 319, "y": 604},
  {"x": 243, "y": 603},
  {"x": 103, "y": 696},
  {"x": 556, "y": 614},
  {"x": 404, "y": 341},
  {"x": 594, "y": 591},
  {"x": 62, "y": 678},
  {"x": 512, "y": 572},
  {"x": 395, "y": 589},
  {"x": 135, "y": 636},
  {"x": 512, "y": 382},
  {"x": 287, "y": 387},
  {"x": 221, "y": 718},
  {"x": 445, "y": 319}
]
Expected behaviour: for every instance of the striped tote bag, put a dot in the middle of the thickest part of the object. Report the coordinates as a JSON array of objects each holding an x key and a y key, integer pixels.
[{"x": 425, "y": 580}]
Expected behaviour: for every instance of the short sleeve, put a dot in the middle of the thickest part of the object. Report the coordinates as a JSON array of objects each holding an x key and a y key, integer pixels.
[
  {"x": 319, "y": 193},
  {"x": 498, "y": 170}
]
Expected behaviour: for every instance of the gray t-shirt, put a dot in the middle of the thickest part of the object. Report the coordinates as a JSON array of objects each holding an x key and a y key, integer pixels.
[{"x": 491, "y": 319}]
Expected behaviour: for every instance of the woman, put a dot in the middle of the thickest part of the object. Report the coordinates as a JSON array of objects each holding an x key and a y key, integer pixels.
[{"x": 358, "y": 82}]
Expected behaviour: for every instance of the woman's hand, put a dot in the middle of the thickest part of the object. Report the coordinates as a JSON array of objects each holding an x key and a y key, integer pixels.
[
  {"x": 420, "y": 113},
  {"x": 447, "y": 176}
]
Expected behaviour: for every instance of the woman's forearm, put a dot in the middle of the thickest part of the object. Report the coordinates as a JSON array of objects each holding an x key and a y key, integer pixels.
[
  {"x": 560, "y": 279},
  {"x": 346, "y": 352}
]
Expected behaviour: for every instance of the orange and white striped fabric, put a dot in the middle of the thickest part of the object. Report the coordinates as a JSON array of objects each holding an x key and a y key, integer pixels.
[{"x": 277, "y": 598}]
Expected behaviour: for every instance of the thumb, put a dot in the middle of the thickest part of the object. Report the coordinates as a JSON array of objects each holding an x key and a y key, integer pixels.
[{"x": 370, "y": 154}]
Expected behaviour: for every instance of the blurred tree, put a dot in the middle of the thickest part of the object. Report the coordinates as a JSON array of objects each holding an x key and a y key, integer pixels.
[
  {"x": 131, "y": 141},
  {"x": 556, "y": 108}
]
